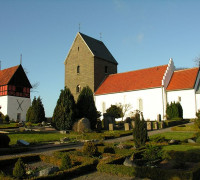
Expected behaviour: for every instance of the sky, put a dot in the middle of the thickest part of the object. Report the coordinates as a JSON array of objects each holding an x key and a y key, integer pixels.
[{"x": 138, "y": 33}]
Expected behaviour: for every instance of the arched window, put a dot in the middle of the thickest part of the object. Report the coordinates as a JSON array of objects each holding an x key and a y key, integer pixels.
[
  {"x": 78, "y": 88},
  {"x": 78, "y": 69},
  {"x": 140, "y": 105},
  {"x": 103, "y": 107},
  {"x": 106, "y": 69}
]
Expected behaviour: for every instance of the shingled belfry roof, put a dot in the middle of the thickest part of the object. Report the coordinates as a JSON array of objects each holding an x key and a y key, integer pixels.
[
  {"x": 133, "y": 80},
  {"x": 98, "y": 48},
  {"x": 183, "y": 79},
  {"x": 7, "y": 74}
]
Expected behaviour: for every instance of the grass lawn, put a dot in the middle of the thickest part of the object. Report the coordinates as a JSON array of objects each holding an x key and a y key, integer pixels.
[
  {"x": 11, "y": 125},
  {"x": 175, "y": 135},
  {"x": 183, "y": 147},
  {"x": 37, "y": 137},
  {"x": 185, "y": 127}
]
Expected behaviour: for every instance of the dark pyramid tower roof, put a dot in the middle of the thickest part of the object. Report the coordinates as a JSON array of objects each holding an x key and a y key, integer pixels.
[{"x": 98, "y": 48}]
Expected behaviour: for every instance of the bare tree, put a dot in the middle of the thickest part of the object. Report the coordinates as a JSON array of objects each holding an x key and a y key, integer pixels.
[
  {"x": 34, "y": 85},
  {"x": 197, "y": 60},
  {"x": 125, "y": 108}
]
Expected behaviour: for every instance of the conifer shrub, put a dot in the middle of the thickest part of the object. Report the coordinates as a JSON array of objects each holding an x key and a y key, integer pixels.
[
  {"x": 65, "y": 162},
  {"x": 140, "y": 131},
  {"x": 86, "y": 106},
  {"x": 89, "y": 149},
  {"x": 174, "y": 110},
  {"x": 4, "y": 140},
  {"x": 6, "y": 119},
  {"x": 19, "y": 169}
]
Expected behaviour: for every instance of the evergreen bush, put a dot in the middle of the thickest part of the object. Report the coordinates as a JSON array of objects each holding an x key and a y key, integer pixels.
[
  {"x": 65, "y": 162},
  {"x": 89, "y": 149},
  {"x": 174, "y": 110},
  {"x": 65, "y": 111},
  {"x": 86, "y": 106},
  {"x": 19, "y": 169},
  {"x": 140, "y": 131},
  {"x": 36, "y": 113},
  {"x": 4, "y": 140},
  {"x": 115, "y": 111}
]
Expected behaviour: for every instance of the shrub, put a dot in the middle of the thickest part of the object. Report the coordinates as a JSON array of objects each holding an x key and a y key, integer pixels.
[
  {"x": 86, "y": 106},
  {"x": 114, "y": 111},
  {"x": 6, "y": 119},
  {"x": 4, "y": 140},
  {"x": 89, "y": 149},
  {"x": 174, "y": 110},
  {"x": 140, "y": 131},
  {"x": 65, "y": 111},
  {"x": 109, "y": 150},
  {"x": 152, "y": 153},
  {"x": 65, "y": 162},
  {"x": 19, "y": 169},
  {"x": 158, "y": 139}
]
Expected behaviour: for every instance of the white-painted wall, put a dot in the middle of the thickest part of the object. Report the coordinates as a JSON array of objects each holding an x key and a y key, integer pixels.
[
  {"x": 4, "y": 104},
  {"x": 10, "y": 106},
  {"x": 188, "y": 101},
  {"x": 151, "y": 99}
]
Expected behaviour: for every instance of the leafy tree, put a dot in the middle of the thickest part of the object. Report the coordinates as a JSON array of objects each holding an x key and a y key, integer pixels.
[
  {"x": 140, "y": 131},
  {"x": 36, "y": 113},
  {"x": 125, "y": 108},
  {"x": 86, "y": 106},
  {"x": 19, "y": 169},
  {"x": 65, "y": 111},
  {"x": 115, "y": 111}
]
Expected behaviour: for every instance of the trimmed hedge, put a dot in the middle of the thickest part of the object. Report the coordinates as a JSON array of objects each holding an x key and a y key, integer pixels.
[
  {"x": 169, "y": 123},
  {"x": 12, "y": 150}
]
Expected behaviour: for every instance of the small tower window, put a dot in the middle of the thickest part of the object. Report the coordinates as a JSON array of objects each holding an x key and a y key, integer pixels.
[
  {"x": 106, "y": 69},
  {"x": 78, "y": 88},
  {"x": 78, "y": 48},
  {"x": 179, "y": 98},
  {"x": 78, "y": 69}
]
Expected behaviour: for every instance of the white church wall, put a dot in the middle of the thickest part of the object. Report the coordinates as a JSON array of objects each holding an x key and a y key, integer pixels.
[
  {"x": 18, "y": 106},
  {"x": 187, "y": 99},
  {"x": 151, "y": 102},
  {"x": 3, "y": 104}
]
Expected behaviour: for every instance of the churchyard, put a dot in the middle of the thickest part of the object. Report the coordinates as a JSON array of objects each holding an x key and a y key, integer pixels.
[{"x": 174, "y": 154}]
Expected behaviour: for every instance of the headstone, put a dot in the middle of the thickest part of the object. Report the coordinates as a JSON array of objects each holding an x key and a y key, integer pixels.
[
  {"x": 158, "y": 117},
  {"x": 63, "y": 132},
  {"x": 126, "y": 126},
  {"x": 133, "y": 124},
  {"x": 43, "y": 123},
  {"x": 23, "y": 143},
  {"x": 161, "y": 125},
  {"x": 129, "y": 163},
  {"x": 108, "y": 120},
  {"x": 111, "y": 127},
  {"x": 47, "y": 171},
  {"x": 83, "y": 125},
  {"x": 191, "y": 141},
  {"x": 173, "y": 141},
  {"x": 155, "y": 125},
  {"x": 149, "y": 126},
  {"x": 65, "y": 139}
]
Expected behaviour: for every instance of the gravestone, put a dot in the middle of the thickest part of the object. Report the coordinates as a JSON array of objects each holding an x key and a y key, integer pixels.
[
  {"x": 108, "y": 120},
  {"x": 126, "y": 126},
  {"x": 83, "y": 125},
  {"x": 155, "y": 125},
  {"x": 149, "y": 126},
  {"x": 23, "y": 143},
  {"x": 133, "y": 124},
  {"x": 47, "y": 171},
  {"x": 129, "y": 163},
  {"x": 161, "y": 125},
  {"x": 158, "y": 117},
  {"x": 111, "y": 127}
]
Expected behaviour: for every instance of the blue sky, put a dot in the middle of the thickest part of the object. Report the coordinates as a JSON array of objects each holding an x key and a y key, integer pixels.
[{"x": 138, "y": 33}]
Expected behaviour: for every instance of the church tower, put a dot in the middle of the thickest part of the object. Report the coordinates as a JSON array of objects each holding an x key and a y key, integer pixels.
[{"x": 87, "y": 64}]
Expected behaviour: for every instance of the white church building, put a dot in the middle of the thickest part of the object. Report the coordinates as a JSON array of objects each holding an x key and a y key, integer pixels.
[
  {"x": 149, "y": 90},
  {"x": 14, "y": 93}
]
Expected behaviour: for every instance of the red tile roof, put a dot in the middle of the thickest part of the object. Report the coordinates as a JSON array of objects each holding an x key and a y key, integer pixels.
[
  {"x": 7, "y": 74},
  {"x": 183, "y": 79},
  {"x": 133, "y": 80}
]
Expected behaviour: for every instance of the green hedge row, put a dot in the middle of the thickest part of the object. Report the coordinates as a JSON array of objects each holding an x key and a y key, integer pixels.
[
  {"x": 6, "y": 151},
  {"x": 169, "y": 123}
]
